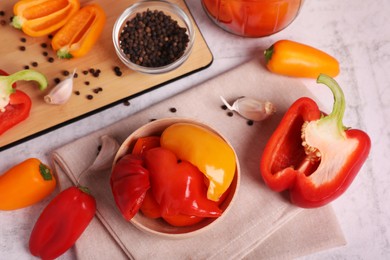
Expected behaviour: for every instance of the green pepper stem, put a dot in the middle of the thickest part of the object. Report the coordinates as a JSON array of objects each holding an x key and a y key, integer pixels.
[
  {"x": 337, "y": 113},
  {"x": 84, "y": 189},
  {"x": 268, "y": 53},
  {"x": 28, "y": 75},
  {"x": 45, "y": 172}
]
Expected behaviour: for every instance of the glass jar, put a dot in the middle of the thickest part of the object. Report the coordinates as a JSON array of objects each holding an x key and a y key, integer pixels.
[{"x": 252, "y": 18}]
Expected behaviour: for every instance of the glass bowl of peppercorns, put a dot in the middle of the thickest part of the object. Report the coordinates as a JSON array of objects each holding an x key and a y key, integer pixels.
[{"x": 153, "y": 37}]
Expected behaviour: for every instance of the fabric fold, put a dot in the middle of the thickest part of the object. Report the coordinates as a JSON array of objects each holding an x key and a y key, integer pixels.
[{"x": 259, "y": 217}]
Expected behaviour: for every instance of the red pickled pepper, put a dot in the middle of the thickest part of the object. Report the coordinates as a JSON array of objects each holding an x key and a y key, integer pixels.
[{"x": 178, "y": 186}]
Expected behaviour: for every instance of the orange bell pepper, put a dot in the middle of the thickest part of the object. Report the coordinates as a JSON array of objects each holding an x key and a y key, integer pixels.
[
  {"x": 80, "y": 33},
  {"x": 295, "y": 59},
  {"x": 41, "y": 17},
  {"x": 25, "y": 184}
]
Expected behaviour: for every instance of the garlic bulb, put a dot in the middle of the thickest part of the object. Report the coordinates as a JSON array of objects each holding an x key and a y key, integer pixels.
[
  {"x": 62, "y": 92},
  {"x": 251, "y": 109}
]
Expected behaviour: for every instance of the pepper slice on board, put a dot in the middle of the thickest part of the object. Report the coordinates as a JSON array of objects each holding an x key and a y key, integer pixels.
[
  {"x": 80, "y": 33},
  {"x": 41, "y": 17},
  {"x": 313, "y": 155},
  {"x": 62, "y": 222},
  {"x": 15, "y": 105}
]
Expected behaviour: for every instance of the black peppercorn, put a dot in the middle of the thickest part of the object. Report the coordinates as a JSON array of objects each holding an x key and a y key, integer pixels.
[{"x": 153, "y": 39}]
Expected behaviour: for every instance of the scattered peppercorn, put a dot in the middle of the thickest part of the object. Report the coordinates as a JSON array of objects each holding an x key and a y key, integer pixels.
[
  {"x": 26, "y": 67},
  {"x": 249, "y": 122},
  {"x": 34, "y": 64},
  {"x": 65, "y": 73},
  {"x": 77, "y": 92},
  {"x": 85, "y": 72},
  {"x": 22, "y": 48},
  {"x": 89, "y": 97},
  {"x": 75, "y": 75},
  {"x": 23, "y": 39},
  {"x": 95, "y": 73},
  {"x": 57, "y": 80},
  {"x": 117, "y": 71},
  {"x": 45, "y": 53},
  {"x": 153, "y": 39},
  {"x": 224, "y": 107},
  {"x": 44, "y": 45},
  {"x": 173, "y": 109},
  {"x": 50, "y": 59},
  {"x": 86, "y": 83},
  {"x": 50, "y": 36},
  {"x": 97, "y": 90},
  {"x": 230, "y": 113},
  {"x": 2, "y": 13},
  {"x": 126, "y": 103}
]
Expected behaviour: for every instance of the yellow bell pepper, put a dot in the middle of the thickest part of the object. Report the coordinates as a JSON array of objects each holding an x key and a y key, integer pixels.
[
  {"x": 25, "y": 184},
  {"x": 204, "y": 149}
]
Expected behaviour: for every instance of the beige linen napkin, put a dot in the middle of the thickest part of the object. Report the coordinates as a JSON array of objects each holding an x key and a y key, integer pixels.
[{"x": 261, "y": 223}]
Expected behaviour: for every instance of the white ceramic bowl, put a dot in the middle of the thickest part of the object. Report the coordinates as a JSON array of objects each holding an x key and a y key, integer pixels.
[
  {"x": 169, "y": 9},
  {"x": 158, "y": 226}
]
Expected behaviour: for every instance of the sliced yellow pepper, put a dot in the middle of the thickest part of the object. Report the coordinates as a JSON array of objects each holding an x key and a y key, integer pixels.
[{"x": 204, "y": 149}]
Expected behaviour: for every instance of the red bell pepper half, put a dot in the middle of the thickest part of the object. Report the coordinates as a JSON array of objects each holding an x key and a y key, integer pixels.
[
  {"x": 62, "y": 222},
  {"x": 129, "y": 183},
  {"x": 15, "y": 105},
  {"x": 313, "y": 155},
  {"x": 178, "y": 186}
]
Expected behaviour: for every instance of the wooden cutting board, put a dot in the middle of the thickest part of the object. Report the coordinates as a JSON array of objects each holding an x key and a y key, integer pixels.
[{"x": 115, "y": 89}]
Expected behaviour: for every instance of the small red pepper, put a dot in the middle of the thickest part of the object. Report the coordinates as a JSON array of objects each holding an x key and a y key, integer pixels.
[
  {"x": 129, "y": 183},
  {"x": 15, "y": 105},
  {"x": 62, "y": 222},
  {"x": 313, "y": 155},
  {"x": 178, "y": 186}
]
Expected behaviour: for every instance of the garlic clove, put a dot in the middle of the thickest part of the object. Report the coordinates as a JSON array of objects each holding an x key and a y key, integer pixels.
[
  {"x": 62, "y": 92},
  {"x": 251, "y": 109}
]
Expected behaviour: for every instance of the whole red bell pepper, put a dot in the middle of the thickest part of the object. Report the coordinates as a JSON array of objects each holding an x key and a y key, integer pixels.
[
  {"x": 62, "y": 222},
  {"x": 129, "y": 183},
  {"x": 313, "y": 155},
  {"x": 178, "y": 186},
  {"x": 15, "y": 105}
]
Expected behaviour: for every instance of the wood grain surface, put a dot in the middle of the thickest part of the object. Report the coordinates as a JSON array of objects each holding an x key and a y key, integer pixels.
[{"x": 44, "y": 117}]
